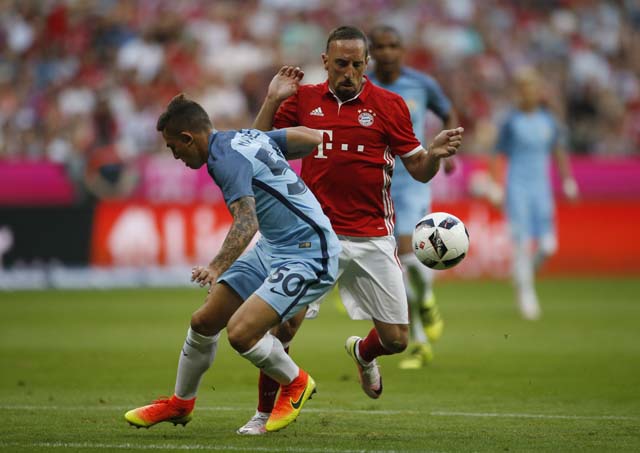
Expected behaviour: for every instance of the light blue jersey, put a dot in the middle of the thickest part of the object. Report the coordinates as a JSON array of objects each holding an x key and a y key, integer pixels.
[
  {"x": 295, "y": 259},
  {"x": 251, "y": 163},
  {"x": 411, "y": 198},
  {"x": 527, "y": 139}
]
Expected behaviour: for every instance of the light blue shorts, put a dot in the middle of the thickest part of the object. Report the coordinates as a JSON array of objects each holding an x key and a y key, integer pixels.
[
  {"x": 411, "y": 200},
  {"x": 530, "y": 216},
  {"x": 287, "y": 283}
]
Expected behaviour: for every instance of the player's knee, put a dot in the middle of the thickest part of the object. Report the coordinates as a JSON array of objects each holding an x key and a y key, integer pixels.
[
  {"x": 287, "y": 330},
  {"x": 396, "y": 343},
  {"x": 201, "y": 324},
  {"x": 238, "y": 338},
  {"x": 397, "y": 346},
  {"x": 284, "y": 332},
  {"x": 204, "y": 324}
]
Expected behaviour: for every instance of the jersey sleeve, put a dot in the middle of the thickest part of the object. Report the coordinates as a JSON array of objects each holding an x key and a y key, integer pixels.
[
  {"x": 233, "y": 173},
  {"x": 437, "y": 101},
  {"x": 503, "y": 143},
  {"x": 287, "y": 114},
  {"x": 401, "y": 138},
  {"x": 280, "y": 139}
]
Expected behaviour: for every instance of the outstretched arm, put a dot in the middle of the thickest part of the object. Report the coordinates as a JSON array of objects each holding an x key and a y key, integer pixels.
[
  {"x": 284, "y": 84},
  {"x": 243, "y": 228},
  {"x": 450, "y": 122},
  {"x": 301, "y": 141},
  {"x": 424, "y": 164}
]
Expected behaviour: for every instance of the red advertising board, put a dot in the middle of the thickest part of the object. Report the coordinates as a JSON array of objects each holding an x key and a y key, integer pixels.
[
  {"x": 594, "y": 238},
  {"x": 144, "y": 234},
  {"x": 598, "y": 238}
]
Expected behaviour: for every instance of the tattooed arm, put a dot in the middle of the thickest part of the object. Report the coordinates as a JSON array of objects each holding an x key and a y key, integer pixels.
[{"x": 243, "y": 228}]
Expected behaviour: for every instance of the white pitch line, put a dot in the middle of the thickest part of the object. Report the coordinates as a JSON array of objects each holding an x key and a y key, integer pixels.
[
  {"x": 129, "y": 446},
  {"x": 345, "y": 411},
  {"x": 543, "y": 416}
]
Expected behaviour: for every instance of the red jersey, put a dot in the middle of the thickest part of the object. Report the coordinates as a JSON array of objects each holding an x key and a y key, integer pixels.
[{"x": 350, "y": 172}]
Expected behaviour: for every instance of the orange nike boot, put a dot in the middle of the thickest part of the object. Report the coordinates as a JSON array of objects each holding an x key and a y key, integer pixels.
[
  {"x": 173, "y": 410},
  {"x": 290, "y": 401}
]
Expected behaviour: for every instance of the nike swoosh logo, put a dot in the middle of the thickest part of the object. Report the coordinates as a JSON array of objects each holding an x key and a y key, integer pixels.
[
  {"x": 297, "y": 404},
  {"x": 275, "y": 291},
  {"x": 184, "y": 353}
]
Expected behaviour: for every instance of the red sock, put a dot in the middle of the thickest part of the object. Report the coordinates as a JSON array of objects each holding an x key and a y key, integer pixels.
[
  {"x": 267, "y": 390},
  {"x": 371, "y": 347}
]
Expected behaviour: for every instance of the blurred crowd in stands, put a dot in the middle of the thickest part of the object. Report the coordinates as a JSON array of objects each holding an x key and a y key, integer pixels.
[{"x": 83, "y": 81}]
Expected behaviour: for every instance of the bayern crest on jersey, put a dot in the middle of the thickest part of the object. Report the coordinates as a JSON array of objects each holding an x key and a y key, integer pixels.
[{"x": 366, "y": 117}]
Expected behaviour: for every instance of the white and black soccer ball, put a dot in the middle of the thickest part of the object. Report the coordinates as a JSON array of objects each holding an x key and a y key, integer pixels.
[{"x": 440, "y": 240}]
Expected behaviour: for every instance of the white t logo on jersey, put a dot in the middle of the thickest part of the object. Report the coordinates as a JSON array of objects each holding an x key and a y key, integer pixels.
[
  {"x": 329, "y": 145},
  {"x": 321, "y": 147}
]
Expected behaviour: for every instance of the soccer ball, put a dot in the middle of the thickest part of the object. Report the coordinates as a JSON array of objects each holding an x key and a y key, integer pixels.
[{"x": 440, "y": 240}]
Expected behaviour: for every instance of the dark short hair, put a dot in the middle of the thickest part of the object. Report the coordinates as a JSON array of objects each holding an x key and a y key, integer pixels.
[
  {"x": 183, "y": 114},
  {"x": 379, "y": 29},
  {"x": 347, "y": 32}
]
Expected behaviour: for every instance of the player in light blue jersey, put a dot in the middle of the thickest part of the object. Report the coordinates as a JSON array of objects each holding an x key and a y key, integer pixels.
[
  {"x": 411, "y": 198},
  {"x": 527, "y": 137},
  {"x": 294, "y": 262}
]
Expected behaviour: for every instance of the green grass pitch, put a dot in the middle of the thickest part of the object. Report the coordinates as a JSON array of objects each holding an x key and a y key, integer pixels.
[{"x": 72, "y": 362}]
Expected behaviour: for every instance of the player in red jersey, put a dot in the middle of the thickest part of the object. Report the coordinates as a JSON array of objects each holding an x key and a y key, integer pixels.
[{"x": 364, "y": 128}]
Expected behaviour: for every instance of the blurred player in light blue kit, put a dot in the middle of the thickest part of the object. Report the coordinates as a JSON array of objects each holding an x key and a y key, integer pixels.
[
  {"x": 411, "y": 198},
  {"x": 527, "y": 137}
]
